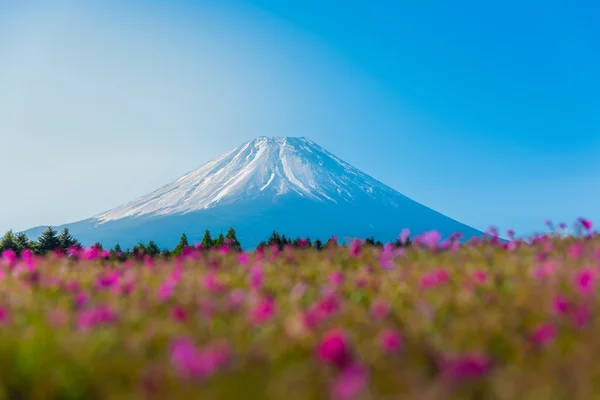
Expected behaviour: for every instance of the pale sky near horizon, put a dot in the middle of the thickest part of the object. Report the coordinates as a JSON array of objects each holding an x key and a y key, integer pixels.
[{"x": 488, "y": 113}]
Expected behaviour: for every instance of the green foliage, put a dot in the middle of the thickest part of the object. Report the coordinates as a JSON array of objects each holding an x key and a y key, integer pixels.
[
  {"x": 183, "y": 243},
  {"x": 48, "y": 241},
  {"x": 66, "y": 240},
  {"x": 232, "y": 240},
  {"x": 9, "y": 242},
  {"x": 207, "y": 240},
  {"x": 220, "y": 241}
]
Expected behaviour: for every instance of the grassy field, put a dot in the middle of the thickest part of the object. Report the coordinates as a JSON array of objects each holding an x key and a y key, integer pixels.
[{"x": 486, "y": 320}]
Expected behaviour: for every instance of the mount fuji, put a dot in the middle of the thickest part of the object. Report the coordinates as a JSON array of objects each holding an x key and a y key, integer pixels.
[{"x": 291, "y": 185}]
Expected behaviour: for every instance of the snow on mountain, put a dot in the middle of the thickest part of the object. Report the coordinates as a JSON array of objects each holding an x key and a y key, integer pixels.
[
  {"x": 291, "y": 185},
  {"x": 262, "y": 167}
]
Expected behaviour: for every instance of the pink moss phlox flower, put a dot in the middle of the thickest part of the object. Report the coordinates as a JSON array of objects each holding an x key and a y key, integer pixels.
[
  {"x": 107, "y": 280},
  {"x": 333, "y": 349},
  {"x": 586, "y": 224},
  {"x": 350, "y": 382},
  {"x": 329, "y": 304},
  {"x": 545, "y": 270},
  {"x": 263, "y": 311},
  {"x": 244, "y": 259},
  {"x": 435, "y": 278},
  {"x": 9, "y": 258},
  {"x": 211, "y": 282},
  {"x": 236, "y": 298},
  {"x": 549, "y": 224},
  {"x": 81, "y": 300},
  {"x": 511, "y": 234},
  {"x": 543, "y": 334},
  {"x": 480, "y": 276},
  {"x": 179, "y": 313},
  {"x": 192, "y": 362},
  {"x": 467, "y": 366},
  {"x": 380, "y": 309},
  {"x": 90, "y": 253},
  {"x": 256, "y": 277},
  {"x": 5, "y": 316},
  {"x": 575, "y": 251},
  {"x": 560, "y": 304},
  {"x": 429, "y": 239},
  {"x": 511, "y": 246},
  {"x": 390, "y": 340},
  {"x": 585, "y": 280},
  {"x": 336, "y": 278},
  {"x": 100, "y": 315},
  {"x": 404, "y": 235},
  {"x": 355, "y": 246},
  {"x": 165, "y": 290}
]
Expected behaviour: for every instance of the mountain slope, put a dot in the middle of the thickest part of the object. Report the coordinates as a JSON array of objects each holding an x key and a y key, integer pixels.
[{"x": 287, "y": 184}]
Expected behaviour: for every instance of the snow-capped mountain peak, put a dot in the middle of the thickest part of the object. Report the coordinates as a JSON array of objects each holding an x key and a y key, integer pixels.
[{"x": 266, "y": 167}]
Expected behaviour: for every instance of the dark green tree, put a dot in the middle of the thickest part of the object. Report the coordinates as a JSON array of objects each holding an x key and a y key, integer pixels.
[
  {"x": 48, "y": 241},
  {"x": 318, "y": 244},
  {"x": 9, "y": 242},
  {"x": 220, "y": 241},
  {"x": 23, "y": 243},
  {"x": 183, "y": 243},
  {"x": 66, "y": 240},
  {"x": 207, "y": 240},
  {"x": 152, "y": 249},
  {"x": 232, "y": 239},
  {"x": 166, "y": 253}
]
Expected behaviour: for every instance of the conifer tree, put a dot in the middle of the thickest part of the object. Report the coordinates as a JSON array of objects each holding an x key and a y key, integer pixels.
[
  {"x": 207, "y": 240},
  {"x": 9, "y": 242},
  {"x": 318, "y": 244},
  {"x": 232, "y": 239},
  {"x": 48, "y": 241},
  {"x": 166, "y": 253},
  {"x": 152, "y": 249},
  {"x": 220, "y": 241},
  {"x": 66, "y": 240},
  {"x": 183, "y": 243},
  {"x": 23, "y": 242}
]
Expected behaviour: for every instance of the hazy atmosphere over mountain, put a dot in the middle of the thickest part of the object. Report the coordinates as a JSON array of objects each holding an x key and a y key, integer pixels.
[{"x": 287, "y": 184}]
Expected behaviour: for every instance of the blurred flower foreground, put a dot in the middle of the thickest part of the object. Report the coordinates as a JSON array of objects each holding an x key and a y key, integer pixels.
[{"x": 439, "y": 319}]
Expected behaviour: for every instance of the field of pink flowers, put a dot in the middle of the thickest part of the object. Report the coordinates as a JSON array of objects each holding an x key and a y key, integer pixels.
[{"x": 488, "y": 319}]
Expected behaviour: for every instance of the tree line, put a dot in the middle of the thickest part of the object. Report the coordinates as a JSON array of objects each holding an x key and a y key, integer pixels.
[{"x": 63, "y": 242}]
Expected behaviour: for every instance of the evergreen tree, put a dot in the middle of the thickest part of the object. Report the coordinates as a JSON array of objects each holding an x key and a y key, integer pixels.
[
  {"x": 166, "y": 253},
  {"x": 98, "y": 246},
  {"x": 318, "y": 244},
  {"x": 207, "y": 240},
  {"x": 183, "y": 243},
  {"x": 48, "y": 241},
  {"x": 152, "y": 249},
  {"x": 139, "y": 249},
  {"x": 233, "y": 240},
  {"x": 66, "y": 240},
  {"x": 274, "y": 239},
  {"x": 220, "y": 240},
  {"x": 370, "y": 241},
  {"x": 9, "y": 242},
  {"x": 23, "y": 243}
]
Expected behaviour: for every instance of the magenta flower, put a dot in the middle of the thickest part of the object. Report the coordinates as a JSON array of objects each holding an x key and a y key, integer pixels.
[
  {"x": 107, "y": 280},
  {"x": 545, "y": 270},
  {"x": 211, "y": 283},
  {"x": 244, "y": 259},
  {"x": 179, "y": 313},
  {"x": 355, "y": 246},
  {"x": 263, "y": 311},
  {"x": 380, "y": 309},
  {"x": 351, "y": 381},
  {"x": 4, "y": 316},
  {"x": 256, "y": 277},
  {"x": 468, "y": 366},
  {"x": 586, "y": 224},
  {"x": 336, "y": 278},
  {"x": 404, "y": 235},
  {"x": 585, "y": 280},
  {"x": 543, "y": 334},
  {"x": 511, "y": 234},
  {"x": 575, "y": 250},
  {"x": 429, "y": 239},
  {"x": 191, "y": 362},
  {"x": 81, "y": 299},
  {"x": 57, "y": 318},
  {"x": 434, "y": 278},
  {"x": 390, "y": 340},
  {"x": 333, "y": 348},
  {"x": 9, "y": 258},
  {"x": 560, "y": 304},
  {"x": 236, "y": 298},
  {"x": 480, "y": 276},
  {"x": 97, "y": 316}
]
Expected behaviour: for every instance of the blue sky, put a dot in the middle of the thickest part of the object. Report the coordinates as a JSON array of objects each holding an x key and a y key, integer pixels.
[{"x": 488, "y": 112}]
